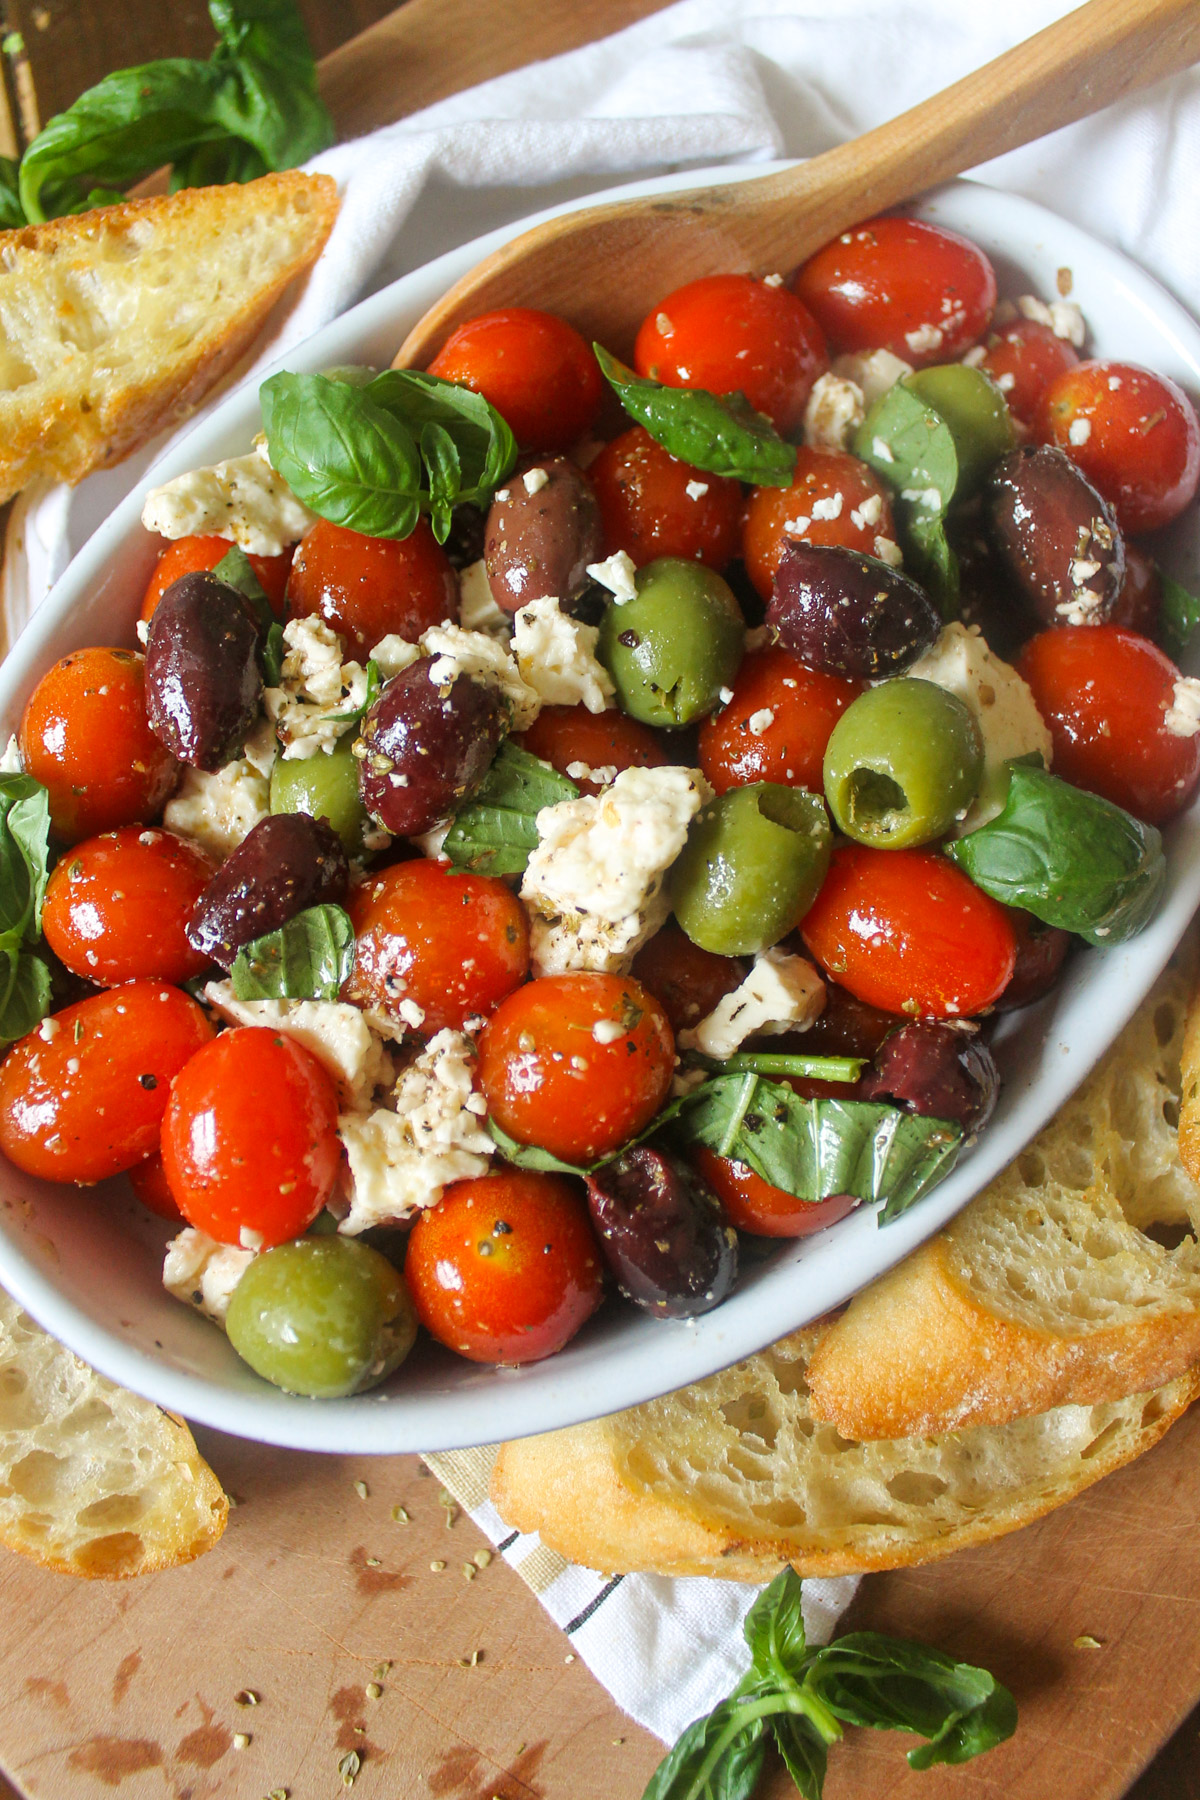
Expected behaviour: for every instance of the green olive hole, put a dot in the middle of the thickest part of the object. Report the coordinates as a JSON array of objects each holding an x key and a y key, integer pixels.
[
  {"x": 874, "y": 800},
  {"x": 790, "y": 807}
]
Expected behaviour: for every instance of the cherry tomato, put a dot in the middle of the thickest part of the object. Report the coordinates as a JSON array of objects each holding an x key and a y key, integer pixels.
[
  {"x": 648, "y": 510},
  {"x": 188, "y": 554},
  {"x": 777, "y": 724},
  {"x": 687, "y": 980},
  {"x": 577, "y": 1063},
  {"x": 826, "y": 482},
  {"x": 733, "y": 333},
  {"x": 117, "y": 907},
  {"x": 752, "y": 1204},
  {"x": 1139, "y": 604},
  {"x": 1105, "y": 693},
  {"x": 451, "y": 944},
  {"x": 86, "y": 738},
  {"x": 1041, "y": 953},
  {"x": 365, "y": 588},
  {"x": 249, "y": 1138},
  {"x": 1135, "y": 436},
  {"x": 82, "y": 1097},
  {"x": 533, "y": 367},
  {"x": 920, "y": 291},
  {"x": 149, "y": 1182},
  {"x": 1023, "y": 358},
  {"x": 906, "y": 931},
  {"x": 505, "y": 1269},
  {"x": 568, "y": 736}
]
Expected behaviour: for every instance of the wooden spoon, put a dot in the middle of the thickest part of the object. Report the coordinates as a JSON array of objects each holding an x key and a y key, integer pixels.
[{"x": 605, "y": 267}]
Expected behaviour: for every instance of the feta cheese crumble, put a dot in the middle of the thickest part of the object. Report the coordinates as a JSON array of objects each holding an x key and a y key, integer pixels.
[
  {"x": 242, "y": 499},
  {"x": 1079, "y": 431},
  {"x": 761, "y": 721},
  {"x": 218, "y": 810},
  {"x": 320, "y": 696},
  {"x": 834, "y": 412},
  {"x": 203, "y": 1273},
  {"x": 457, "y": 652},
  {"x": 1182, "y": 717},
  {"x": 872, "y": 373},
  {"x": 336, "y": 1034},
  {"x": 1062, "y": 316},
  {"x": 924, "y": 339},
  {"x": 477, "y": 609},
  {"x": 696, "y": 490},
  {"x": 534, "y": 480},
  {"x": 556, "y": 656},
  {"x": 781, "y": 993},
  {"x": 616, "y": 573}
]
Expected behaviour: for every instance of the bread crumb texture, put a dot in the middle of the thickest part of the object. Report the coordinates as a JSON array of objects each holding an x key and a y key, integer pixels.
[
  {"x": 114, "y": 324},
  {"x": 93, "y": 1480}
]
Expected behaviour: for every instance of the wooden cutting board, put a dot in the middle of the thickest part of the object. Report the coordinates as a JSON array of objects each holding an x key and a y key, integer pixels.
[{"x": 132, "y": 1689}]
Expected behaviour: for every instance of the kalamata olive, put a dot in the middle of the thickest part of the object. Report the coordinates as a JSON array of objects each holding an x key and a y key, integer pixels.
[
  {"x": 848, "y": 614},
  {"x": 847, "y": 1026},
  {"x": 285, "y": 864},
  {"x": 464, "y": 545},
  {"x": 663, "y": 1233},
  {"x": 1041, "y": 952},
  {"x": 987, "y": 594},
  {"x": 1139, "y": 604},
  {"x": 423, "y": 748},
  {"x": 936, "y": 1070},
  {"x": 203, "y": 681},
  {"x": 543, "y": 530},
  {"x": 1056, "y": 536}
]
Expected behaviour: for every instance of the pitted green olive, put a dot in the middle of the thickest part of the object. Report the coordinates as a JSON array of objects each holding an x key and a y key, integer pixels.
[
  {"x": 902, "y": 763},
  {"x": 976, "y": 412},
  {"x": 671, "y": 650},
  {"x": 752, "y": 866},
  {"x": 326, "y": 786}
]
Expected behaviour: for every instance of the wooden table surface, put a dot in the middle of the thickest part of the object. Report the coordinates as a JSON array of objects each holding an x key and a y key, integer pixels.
[{"x": 131, "y": 1687}]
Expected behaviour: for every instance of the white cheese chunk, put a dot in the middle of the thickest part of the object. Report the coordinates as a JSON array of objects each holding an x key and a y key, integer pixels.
[
  {"x": 203, "y": 1273},
  {"x": 872, "y": 372},
  {"x": 457, "y": 652},
  {"x": 1182, "y": 718},
  {"x": 781, "y": 993},
  {"x": 834, "y": 412},
  {"x": 393, "y": 654},
  {"x": 1062, "y": 316},
  {"x": 319, "y": 696},
  {"x": 477, "y": 609},
  {"x": 618, "y": 574},
  {"x": 242, "y": 499},
  {"x": 561, "y": 945},
  {"x": 1002, "y": 705},
  {"x": 557, "y": 658},
  {"x": 219, "y": 809},
  {"x": 925, "y": 339},
  {"x": 401, "y": 1162},
  {"x": 10, "y": 762},
  {"x": 337, "y": 1035},
  {"x": 534, "y": 480}
]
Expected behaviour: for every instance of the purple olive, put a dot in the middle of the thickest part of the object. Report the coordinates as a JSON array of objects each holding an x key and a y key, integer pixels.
[
  {"x": 203, "y": 682},
  {"x": 424, "y": 748},
  {"x": 542, "y": 534},
  {"x": 847, "y": 614},
  {"x": 936, "y": 1070},
  {"x": 663, "y": 1233},
  {"x": 284, "y": 865},
  {"x": 1055, "y": 535}
]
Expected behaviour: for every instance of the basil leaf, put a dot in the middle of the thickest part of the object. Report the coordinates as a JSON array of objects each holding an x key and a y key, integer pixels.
[
  {"x": 774, "y": 1628},
  {"x": 532, "y": 1156},
  {"x": 272, "y": 655},
  {"x": 891, "y": 1684},
  {"x": 495, "y": 831},
  {"x": 349, "y": 460},
  {"x": 1068, "y": 857},
  {"x": 1180, "y": 614},
  {"x": 12, "y": 213},
  {"x": 307, "y": 959},
  {"x": 721, "y": 433},
  {"x": 273, "y": 105},
  {"x": 717, "y": 1758},
  {"x": 24, "y": 855},
  {"x": 485, "y": 450},
  {"x": 374, "y": 683},
  {"x": 911, "y": 448},
  {"x": 24, "y": 991},
  {"x": 804, "y": 1753},
  {"x": 816, "y": 1148}
]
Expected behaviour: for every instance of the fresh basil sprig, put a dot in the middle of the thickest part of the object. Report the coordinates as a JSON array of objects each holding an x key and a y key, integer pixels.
[
  {"x": 251, "y": 107},
  {"x": 912, "y": 449},
  {"x": 802, "y": 1698},
  {"x": 373, "y": 457},
  {"x": 1068, "y": 857},
  {"x": 721, "y": 433},
  {"x": 236, "y": 569},
  {"x": 494, "y": 833},
  {"x": 1180, "y": 613},
  {"x": 307, "y": 959},
  {"x": 24, "y": 867}
]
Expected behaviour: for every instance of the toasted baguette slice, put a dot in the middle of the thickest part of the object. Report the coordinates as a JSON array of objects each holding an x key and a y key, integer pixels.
[
  {"x": 733, "y": 1477},
  {"x": 115, "y": 323},
  {"x": 1048, "y": 1288},
  {"x": 93, "y": 1480}
]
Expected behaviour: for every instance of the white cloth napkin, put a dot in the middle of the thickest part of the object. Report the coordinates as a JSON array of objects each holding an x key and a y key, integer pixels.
[{"x": 698, "y": 83}]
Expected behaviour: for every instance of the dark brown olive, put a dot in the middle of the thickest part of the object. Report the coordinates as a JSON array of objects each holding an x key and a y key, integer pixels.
[
  {"x": 847, "y": 614},
  {"x": 542, "y": 534},
  {"x": 424, "y": 748},
  {"x": 1139, "y": 604},
  {"x": 203, "y": 682},
  {"x": 1041, "y": 953},
  {"x": 937, "y": 1071},
  {"x": 847, "y": 1026},
  {"x": 1055, "y": 535},
  {"x": 987, "y": 594},
  {"x": 663, "y": 1233},
  {"x": 465, "y": 542},
  {"x": 285, "y": 864}
]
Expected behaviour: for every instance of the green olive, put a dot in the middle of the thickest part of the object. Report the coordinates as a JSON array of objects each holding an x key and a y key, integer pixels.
[
  {"x": 976, "y": 412},
  {"x": 325, "y": 786},
  {"x": 671, "y": 650},
  {"x": 752, "y": 866},
  {"x": 902, "y": 763},
  {"x": 324, "y": 1316}
]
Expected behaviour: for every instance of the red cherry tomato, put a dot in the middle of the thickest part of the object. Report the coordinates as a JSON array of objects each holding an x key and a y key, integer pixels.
[
  {"x": 1135, "y": 436},
  {"x": 566, "y": 736},
  {"x": 577, "y": 1063},
  {"x": 188, "y": 554},
  {"x": 733, "y": 333},
  {"x": 825, "y": 481},
  {"x": 1023, "y": 358},
  {"x": 149, "y": 1182},
  {"x": 1105, "y": 693},
  {"x": 906, "y": 931},
  {"x": 687, "y": 980},
  {"x": 533, "y": 367},
  {"x": 776, "y": 726},
  {"x": 453, "y": 944},
  {"x": 752, "y": 1204},
  {"x": 920, "y": 291},
  {"x": 117, "y": 907},
  {"x": 249, "y": 1138},
  {"x": 648, "y": 511},
  {"x": 365, "y": 588},
  {"x": 82, "y": 1097},
  {"x": 86, "y": 738},
  {"x": 505, "y": 1269}
]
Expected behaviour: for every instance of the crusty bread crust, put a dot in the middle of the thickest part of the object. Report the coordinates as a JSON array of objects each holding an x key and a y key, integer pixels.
[{"x": 114, "y": 324}]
